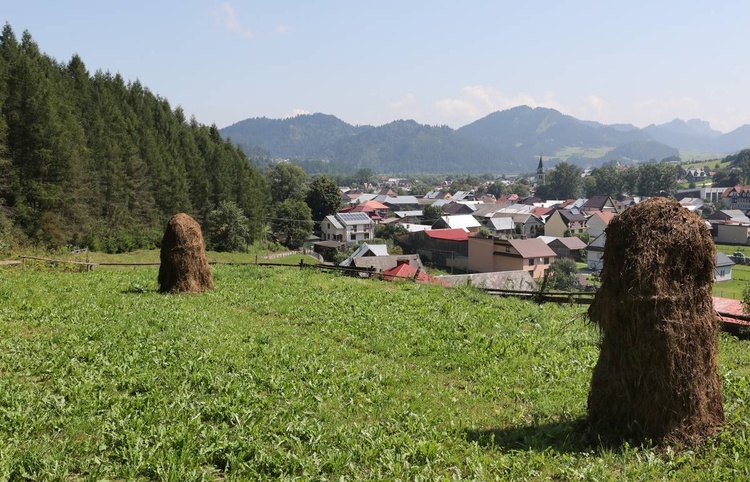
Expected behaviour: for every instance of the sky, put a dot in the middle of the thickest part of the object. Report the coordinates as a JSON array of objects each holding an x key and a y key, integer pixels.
[{"x": 437, "y": 62}]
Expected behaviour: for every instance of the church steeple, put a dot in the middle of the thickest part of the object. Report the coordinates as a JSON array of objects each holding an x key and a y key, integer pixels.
[{"x": 540, "y": 173}]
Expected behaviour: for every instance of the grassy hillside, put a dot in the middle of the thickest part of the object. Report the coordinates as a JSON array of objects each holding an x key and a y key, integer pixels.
[{"x": 283, "y": 373}]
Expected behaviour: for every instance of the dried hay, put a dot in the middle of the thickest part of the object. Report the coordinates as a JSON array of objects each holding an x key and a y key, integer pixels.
[
  {"x": 184, "y": 268},
  {"x": 656, "y": 378}
]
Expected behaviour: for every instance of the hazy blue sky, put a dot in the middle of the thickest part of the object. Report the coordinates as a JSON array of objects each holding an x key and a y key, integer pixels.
[{"x": 437, "y": 62}]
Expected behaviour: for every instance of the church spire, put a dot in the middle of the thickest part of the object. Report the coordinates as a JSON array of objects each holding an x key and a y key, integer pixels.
[{"x": 540, "y": 173}]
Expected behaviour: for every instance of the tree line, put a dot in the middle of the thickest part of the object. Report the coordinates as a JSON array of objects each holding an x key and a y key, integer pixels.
[
  {"x": 565, "y": 181},
  {"x": 95, "y": 161}
]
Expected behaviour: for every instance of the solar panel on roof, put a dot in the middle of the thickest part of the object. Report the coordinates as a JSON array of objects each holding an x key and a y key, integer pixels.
[{"x": 354, "y": 217}]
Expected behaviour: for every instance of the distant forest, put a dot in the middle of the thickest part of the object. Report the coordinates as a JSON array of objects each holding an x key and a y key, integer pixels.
[{"x": 94, "y": 161}]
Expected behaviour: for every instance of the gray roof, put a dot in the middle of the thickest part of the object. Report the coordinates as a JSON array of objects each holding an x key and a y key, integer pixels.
[
  {"x": 403, "y": 214},
  {"x": 333, "y": 220},
  {"x": 521, "y": 218},
  {"x": 723, "y": 260},
  {"x": 398, "y": 200},
  {"x": 736, "y": 215},
  {"x": 501, "y": 224},
  {"x": 571, "y": 242},
  {"x": 486, "y": 210},
  {"x": 363, "y": 250},
  {"x": 460, "y": 221},
  {"x": 352, "y": 219}
]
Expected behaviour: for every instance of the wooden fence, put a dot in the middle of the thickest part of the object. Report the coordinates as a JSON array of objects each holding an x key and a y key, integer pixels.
[{"x": 736, "y": 323}]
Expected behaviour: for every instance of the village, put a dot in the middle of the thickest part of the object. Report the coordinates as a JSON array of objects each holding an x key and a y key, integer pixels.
[{"x": 508, "y": 242}]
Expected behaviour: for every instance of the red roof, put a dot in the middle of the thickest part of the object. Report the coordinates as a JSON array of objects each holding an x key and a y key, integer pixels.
[
  {"x": 369, "y": 207},
  {"x": 457, "y": 234},
  {"x": 541, "y": 211},
  {"x": 407, "y": 271},
  {"x": 730, "y": 312}
]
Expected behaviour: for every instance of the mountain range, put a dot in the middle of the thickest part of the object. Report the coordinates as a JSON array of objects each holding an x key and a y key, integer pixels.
[{"x": 505, "y": 141}]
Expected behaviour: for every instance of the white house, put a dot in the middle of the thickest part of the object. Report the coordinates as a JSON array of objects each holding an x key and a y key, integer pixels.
[
  {"x": 366, "y": 250},
  {"x": 347, "y": 227},
  {"x": 723, "y": 268}
]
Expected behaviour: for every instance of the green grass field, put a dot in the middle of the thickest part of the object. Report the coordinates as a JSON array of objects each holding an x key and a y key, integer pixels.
[
  {"x": 592, "y": 153},
  {"x": 282, "y": 373}
]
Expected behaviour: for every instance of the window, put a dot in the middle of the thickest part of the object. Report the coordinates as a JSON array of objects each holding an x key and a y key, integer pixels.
[
  {"x": 546, "y": 260},
  {"x": 531, "y": 262},
  {"x": 353, "y": 236},
  {"x": 507, "y": 249}
]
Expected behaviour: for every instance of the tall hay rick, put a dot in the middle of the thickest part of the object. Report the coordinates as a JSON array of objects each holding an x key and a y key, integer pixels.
[
  {"x": 656, "y": 378},
  {"x": 184, "y": 268}
]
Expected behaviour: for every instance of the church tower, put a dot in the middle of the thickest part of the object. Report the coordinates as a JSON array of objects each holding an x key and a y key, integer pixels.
[{"x": 540, "y": 173}]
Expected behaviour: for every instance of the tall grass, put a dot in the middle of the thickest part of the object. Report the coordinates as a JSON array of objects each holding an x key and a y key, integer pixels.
[{"x": 288, "y": 373}]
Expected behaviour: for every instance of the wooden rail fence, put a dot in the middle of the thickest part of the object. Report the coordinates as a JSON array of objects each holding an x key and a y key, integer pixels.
[{"x": 729, "y": 321}]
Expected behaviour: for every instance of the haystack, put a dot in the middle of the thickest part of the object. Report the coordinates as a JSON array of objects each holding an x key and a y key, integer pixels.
[
  {"x": 184, "y": 268},
  {"x": 656, "y": 377}
]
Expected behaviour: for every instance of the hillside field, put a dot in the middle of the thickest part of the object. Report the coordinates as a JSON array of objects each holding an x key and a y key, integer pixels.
[{"x": 294, "y": 374}]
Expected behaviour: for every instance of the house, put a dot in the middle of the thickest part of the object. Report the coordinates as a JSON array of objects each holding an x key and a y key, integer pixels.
[
  {"x": 723, "y": 268},
  {"x": 437, "y": 194},
  {"x": 595, "y": 252},
  {"x": 732, "y": 233},
  {"x": 693, "y": 174},
  {"x": 462, "y": 196},
  {"x": 414, "y": 216},
  {"x": 710, "y": 194},
  {"x": 737, "y": 197},
  {"x": 501, "y": 227},
  {"x": 366, "y": 250},
  {"x": 347, "y": 227},
  {"x": 460, "y": 221},
  {"x": 603, "y": 204},
  {"x": 565, "y": 222},
  {"x": 353, "y": 198},
  {"x": 542, "y": 212},
  {"x": 691, "y": 203},
  {"x": 570, "y": 247},
  {"x": 730, "y": 215},
  {"x": 729, "y": 226},
  {"x": 484, "y": 212},
  {"x": 498, "y": 280},
  {"x": 447, "y": 248},
  {"x": 598, "y": 222},
  {"x": 404, "y": 271},
  {"x": 379, "y": 264},
  {"x": 526, "y": 225},
  {"x": 454, "y": 209},
  {"x": 399, "y": 203},
  {"x": 375, "y": 209},
  {"x": 530, "y": 255}
]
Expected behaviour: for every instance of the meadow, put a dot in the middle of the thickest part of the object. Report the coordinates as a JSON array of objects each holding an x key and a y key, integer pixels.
[{"x": 283, "y": 373}]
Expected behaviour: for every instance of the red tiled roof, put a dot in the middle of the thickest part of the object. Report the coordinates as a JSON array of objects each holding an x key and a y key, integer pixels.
[
  {"x": 448, "y": 234},
  {"x": 541, "y": 211},
  {"x": 406, "y": 271},
  {"x": 728, "y": 305},
  {"x": 730, "y": 312},
  {"x": 369, "y": 207}
]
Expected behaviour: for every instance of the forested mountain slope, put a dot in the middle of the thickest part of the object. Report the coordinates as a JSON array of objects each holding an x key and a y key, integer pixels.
[{"x": 90, "y": 160}]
